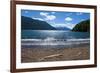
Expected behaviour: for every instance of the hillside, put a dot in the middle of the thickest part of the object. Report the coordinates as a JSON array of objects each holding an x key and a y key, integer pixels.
[
  {"x": 83, "y": 26},
  {"x": 32, "y": 24}
]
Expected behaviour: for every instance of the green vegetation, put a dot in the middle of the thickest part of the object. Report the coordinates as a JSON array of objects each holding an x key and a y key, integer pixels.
[{"x": 83, "y": 26}]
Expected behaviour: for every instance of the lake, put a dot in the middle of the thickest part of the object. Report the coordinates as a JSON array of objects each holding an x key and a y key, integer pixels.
[{"x": 53, "y": 38}]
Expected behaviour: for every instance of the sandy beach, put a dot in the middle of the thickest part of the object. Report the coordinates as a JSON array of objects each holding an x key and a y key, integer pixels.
[{"x": 64, "y": 54}]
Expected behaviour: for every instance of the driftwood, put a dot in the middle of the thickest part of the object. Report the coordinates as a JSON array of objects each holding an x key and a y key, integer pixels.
[
  {"x": 78, "y": 54},
  {"x": 50, "y": 56}
]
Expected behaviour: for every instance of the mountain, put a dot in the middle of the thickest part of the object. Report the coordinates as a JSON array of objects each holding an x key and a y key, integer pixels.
[
  {"x": 83, "y": 26},
  {"x": 33, "y": 24},
  {"x": 62, "y": 28}
]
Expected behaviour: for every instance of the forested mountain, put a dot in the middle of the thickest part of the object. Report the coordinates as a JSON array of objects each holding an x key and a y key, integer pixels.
[
  {"x": 83, "y": 26},
  {"x": 32, "y": 24}
]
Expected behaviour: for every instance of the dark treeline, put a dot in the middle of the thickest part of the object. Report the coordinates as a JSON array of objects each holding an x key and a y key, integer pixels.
[{"x": 83, "y": 26}]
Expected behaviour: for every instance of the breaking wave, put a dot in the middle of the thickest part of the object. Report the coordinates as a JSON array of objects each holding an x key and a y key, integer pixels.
[{"x": 53, "y": 41}]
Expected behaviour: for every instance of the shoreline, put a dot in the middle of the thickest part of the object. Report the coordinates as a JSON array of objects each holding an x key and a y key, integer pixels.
[{"x": 57, "y": 54}]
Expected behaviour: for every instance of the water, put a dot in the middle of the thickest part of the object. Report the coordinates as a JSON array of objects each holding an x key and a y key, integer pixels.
[
  {"x": 43, "y": 34},
  {"x": 53, "y": 38}
]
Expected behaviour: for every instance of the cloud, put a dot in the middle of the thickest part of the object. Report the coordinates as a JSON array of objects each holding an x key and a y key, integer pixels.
[
  {"x": 38, "y": 19},
  {"x": 47, "y": 16},
  {"x": 44, "y": 13},
  {"x": 68, "y": 19},
  {"x": 53, "y": 12},
  {"x": 79, "y": 13},
  {"x": 50, "y": 17}
]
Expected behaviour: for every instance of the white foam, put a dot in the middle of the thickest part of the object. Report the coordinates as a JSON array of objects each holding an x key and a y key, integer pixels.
[
  {"x": 87, "y": 39},
  {"x": 52, "y": 41},
  {"x": 31, "y": 39}
]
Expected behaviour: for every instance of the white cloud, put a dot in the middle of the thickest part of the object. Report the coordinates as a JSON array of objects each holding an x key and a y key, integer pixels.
[
  {"x": 38, "y": 19},
  {"x": 68, "y": 19},
  {"x": 50, "y": 17},
  {"x": 53, "y": 12},
  {"x": 79, "y": 13},
  {"x": 47, "y": 16},
  {"x": 44, "y": 13}
]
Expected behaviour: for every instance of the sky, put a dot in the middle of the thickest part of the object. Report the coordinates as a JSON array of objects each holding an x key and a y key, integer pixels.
[{"x": 57, "y": 18}]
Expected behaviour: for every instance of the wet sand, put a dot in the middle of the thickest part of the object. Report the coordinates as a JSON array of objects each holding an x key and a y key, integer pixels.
[{"x": 64, "y": 54}]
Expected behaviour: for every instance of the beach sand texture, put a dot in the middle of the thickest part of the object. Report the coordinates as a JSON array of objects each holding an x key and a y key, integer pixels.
[{"x": 64, "y": 54}]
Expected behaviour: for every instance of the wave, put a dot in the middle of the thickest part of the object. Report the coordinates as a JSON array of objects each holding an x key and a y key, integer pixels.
[
  {"x": 31, "y": 39},
  {"x": 86, "y": 39},
  {"x": 53, "y": 41}
]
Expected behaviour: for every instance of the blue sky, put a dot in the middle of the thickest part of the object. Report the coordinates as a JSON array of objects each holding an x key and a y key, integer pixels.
[{"x": 57, "y": 19}]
